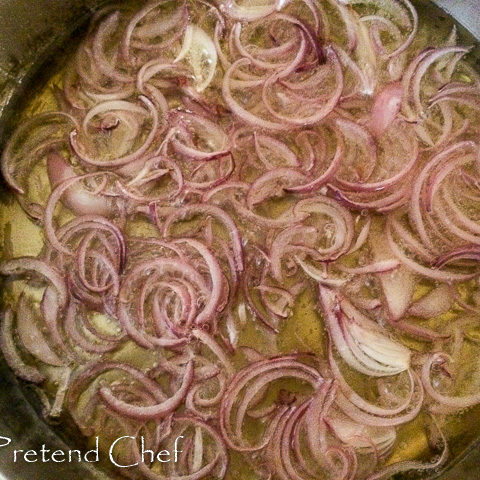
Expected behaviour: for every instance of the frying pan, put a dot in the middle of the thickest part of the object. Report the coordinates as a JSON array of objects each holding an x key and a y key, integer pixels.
[{"x": 32, "y": 32}]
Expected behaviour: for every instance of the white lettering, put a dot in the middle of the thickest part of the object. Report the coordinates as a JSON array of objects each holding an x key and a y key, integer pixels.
[
  {"x": 110, "y": 453},
  {"x": 7, "y": 440},
  {"x": 164, "y": 453},
  {"x": 94, "y": 451},
  {"x": 30, "y": 453},
  {"x": 59, "y": 453},
  {"x": 177, "y": 451}
]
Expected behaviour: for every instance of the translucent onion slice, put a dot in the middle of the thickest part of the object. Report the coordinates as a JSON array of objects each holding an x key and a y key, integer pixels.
[
  {"x": 31, "y": 336},
  {"x": 200, "y": 52},
  {"x": 11, "y": 353},
  {"x": 359, "y": 340},
  {"x": 77, "y": 198},
  {"x": 397, "y": 285},
  {"x": 363, "y": 438},
  {"x": 434, "y": 303},
  {"x": 251, "y": 10}
]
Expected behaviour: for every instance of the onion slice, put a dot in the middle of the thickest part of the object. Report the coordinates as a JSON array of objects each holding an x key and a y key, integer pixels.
[
  {"x": 153, "y": 412},
  {"x": 359, "y": 340},
  {"x": 199, "y": 50}
]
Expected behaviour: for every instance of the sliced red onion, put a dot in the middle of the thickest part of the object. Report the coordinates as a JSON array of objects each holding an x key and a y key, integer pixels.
[
  {"x": 78, "y": 199},
  {"x": 386, "y": 108},
  {"x": 254, "y": 193},
  {"x": 342, "y": 222},
  {"x": 88, "y": 159},
  {"x": 367, "y": 413},
  {"x": 378, "y": 267},
  {"x": 399, "y": 285},
  {"x": 29, "y": 265},
  {"x": 260, "y": 374},
  {"x": 267, "y": 146},
  {"x": 151, "y": 412},
  {"x": 362, "y": 438},
  {"x": 284, "y": 302},
  {"x": 194, "y": 209},
  {"x": 240, "y": 111},
  {"x": 31, "y": 336},
  {"x": 56, "y": 195},
  {"x": 215, "y": 348},
  {"x": 11, "y": 353},
  {"x": 322, "y": 179},
  {"x": 79, "y": 337},
  {"x": 215, "y": 468},
  {"x": 320, "y": 276},
  {"x": 273, "y": 184},
  {"x": 359, "y": 340},
  {"x": 316, "y": 114},
  {"x": 250, "y": 12},
  {"x": 10, "y": 156},
  {"x": 441, "y": 359},
  {"x": 408, "y": 465},
  {"x": 205, "y": 131},
  {"x": 414, "y": 74},
  {"x": 199, "y": 50},
  {"x": 150, "y": 30},
  {"x": 147, "y": 276},
  {"x": 216, "y": 278},
  {"x": 104, "y": 31},
  {"x": 434, "y": 303},
  {"x": 414, "y": 266}
]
